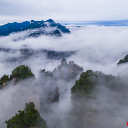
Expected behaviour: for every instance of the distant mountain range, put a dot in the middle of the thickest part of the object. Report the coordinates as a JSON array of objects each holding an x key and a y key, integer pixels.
[
  {"x": 34, "y": 29},
  {"x": 41, "y": 27},
  {"x": 27, "y": 53},
  {"x": 99, "y": 23}
]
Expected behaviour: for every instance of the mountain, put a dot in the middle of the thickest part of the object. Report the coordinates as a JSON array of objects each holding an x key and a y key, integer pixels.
[
  {"x": 87, "y": 95},
  {"x": 6, "y": 29},
  {"x": 85, "y": 106},
  {"x": 27, "y": 53},
  {"x": 33, "y": 29},
  {"x": 41, "y": 27},
  {"x": 89, "y": 80},
  {"x": 47, "y": 79},
  {"x": 67, "y": 71}
]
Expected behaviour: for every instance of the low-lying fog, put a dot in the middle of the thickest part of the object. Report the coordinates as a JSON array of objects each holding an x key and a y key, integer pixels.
[{"x": 99, "y": 48}]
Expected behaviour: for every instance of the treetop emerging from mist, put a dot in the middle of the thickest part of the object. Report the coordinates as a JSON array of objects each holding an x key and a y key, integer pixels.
[
  {"x": 124, "y": 60},
  {"x": 89, "y": 80},
  {"x": 27, "y": 118},
  {"x": 21, "y": 72},
  {"x": 85, "y": 84},
  {"x": 4, "y": 80}
]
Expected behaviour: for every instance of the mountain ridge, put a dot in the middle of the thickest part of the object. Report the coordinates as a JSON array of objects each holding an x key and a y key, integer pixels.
[{"x": 9, "y": 28}]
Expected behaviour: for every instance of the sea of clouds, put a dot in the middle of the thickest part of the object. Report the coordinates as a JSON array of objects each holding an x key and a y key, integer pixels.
[{"x": 98, "y": 48}]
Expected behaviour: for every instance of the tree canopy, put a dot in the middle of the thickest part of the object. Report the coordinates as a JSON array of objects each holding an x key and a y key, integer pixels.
[
  {"x": 30, "y": 117},
  {"x": 85, "y": 84},
  {"x": 4, "y": 80},
  {"x": 124, "y": 60},
  {"x": 21, "y": 72}
]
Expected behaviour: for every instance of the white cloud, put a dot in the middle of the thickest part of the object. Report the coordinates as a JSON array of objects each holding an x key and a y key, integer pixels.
[{"x": 98, "y": 48}]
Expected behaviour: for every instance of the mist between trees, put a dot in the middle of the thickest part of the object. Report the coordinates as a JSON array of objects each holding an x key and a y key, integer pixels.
[
  {"x": 68, "y": 96},
  {"x": 65, "y": 97}
]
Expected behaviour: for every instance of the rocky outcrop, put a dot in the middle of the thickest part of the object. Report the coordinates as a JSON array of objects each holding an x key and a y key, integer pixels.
[
  {"x": 49, "y": 80},
  {"x": 67, "y": 71}
]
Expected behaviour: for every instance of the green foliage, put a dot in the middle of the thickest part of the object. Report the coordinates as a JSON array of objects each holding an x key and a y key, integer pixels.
[
  {"x": 113, "y": 83},
  {"x": 89, "y": 79},
  {"x": 81, "y": 92},
  {"x": 30, "y": 117},
  {"x": 21, "y": 72},
  {"x": 4, "y": 80},
  {"x": 124, "y": 60},
  {"x": 85, "y": 84},
  {"x": 121, "y": 61},
  {"x": 86, "y": 90}
]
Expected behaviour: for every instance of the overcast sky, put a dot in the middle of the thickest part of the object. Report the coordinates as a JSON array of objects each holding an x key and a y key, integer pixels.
[{"x": 62, "y": 10}]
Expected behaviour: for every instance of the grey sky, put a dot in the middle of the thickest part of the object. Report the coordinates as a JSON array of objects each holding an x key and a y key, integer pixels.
[{"x": 63, "y": 10}]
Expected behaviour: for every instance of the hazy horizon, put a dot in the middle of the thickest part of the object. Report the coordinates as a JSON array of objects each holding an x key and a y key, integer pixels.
[{"x": 101, "y": 22}]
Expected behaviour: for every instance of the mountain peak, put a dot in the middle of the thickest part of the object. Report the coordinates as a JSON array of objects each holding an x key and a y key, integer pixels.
[{"x": 50, "y": 20}]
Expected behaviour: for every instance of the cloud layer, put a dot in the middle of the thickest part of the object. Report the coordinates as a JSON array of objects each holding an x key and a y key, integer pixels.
[{"x": 98, "y": 48}]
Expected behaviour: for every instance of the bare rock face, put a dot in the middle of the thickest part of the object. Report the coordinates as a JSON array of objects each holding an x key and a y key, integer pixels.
[
  {"x": 55, "y": 96},
  {"x": 50, "y": 91},
  {"x": 49, "y": 80},
  {"x": 15, "y": 80},
  {"x": 67, "y": 71}
]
